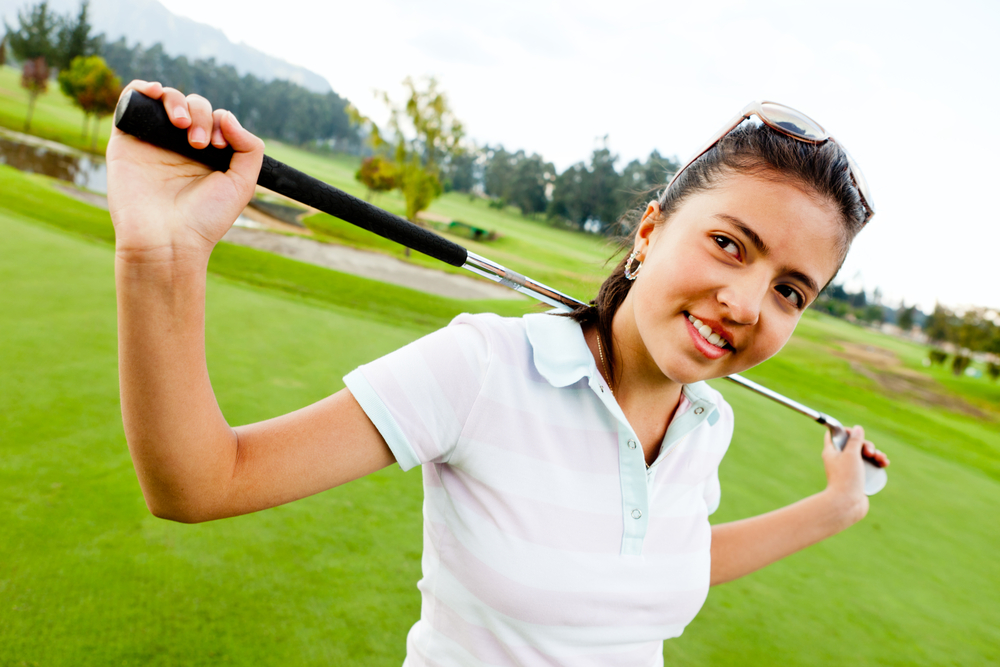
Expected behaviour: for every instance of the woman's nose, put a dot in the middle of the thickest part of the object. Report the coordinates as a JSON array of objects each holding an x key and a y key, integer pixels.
[{"x": 743, "y": 300}]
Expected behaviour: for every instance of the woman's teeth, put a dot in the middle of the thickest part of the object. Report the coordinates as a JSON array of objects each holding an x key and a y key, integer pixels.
[{"x": 707, "y": 333}]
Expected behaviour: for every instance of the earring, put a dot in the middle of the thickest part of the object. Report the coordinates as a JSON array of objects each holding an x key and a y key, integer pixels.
[{"x": 628, "y": 265}]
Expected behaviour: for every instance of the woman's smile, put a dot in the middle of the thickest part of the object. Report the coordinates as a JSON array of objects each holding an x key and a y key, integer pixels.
[{"x": 712, "y": 341}]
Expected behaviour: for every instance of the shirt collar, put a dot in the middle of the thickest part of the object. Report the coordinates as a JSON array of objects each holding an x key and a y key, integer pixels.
[{"x": 559, "y": 350}]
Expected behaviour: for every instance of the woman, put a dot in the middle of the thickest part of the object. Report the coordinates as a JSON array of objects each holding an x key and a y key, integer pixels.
[{"x": 570, "y": 463}]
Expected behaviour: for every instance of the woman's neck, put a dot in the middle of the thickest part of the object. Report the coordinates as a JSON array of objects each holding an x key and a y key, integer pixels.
[{"x": 646, "y": 396}]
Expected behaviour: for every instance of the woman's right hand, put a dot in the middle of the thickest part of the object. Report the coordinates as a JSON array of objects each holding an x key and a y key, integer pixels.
[{"x": 165, "y": 207}]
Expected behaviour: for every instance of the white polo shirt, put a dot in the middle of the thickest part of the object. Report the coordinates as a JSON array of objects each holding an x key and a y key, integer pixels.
[{"x": 546, "y": 539}]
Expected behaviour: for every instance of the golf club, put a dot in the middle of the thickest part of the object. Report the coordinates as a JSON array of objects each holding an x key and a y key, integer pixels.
[{"x": 146, "y": 119}]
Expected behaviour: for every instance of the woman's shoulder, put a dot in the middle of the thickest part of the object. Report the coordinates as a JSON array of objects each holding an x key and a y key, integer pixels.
[
  {"x": 496, "y": 328},
  {"x": 490, "y": 321},
  {"x": 525, "y": 341}
]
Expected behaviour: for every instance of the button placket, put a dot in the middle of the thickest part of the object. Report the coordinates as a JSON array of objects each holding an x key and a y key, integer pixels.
[{"x": 635, "y": 492}]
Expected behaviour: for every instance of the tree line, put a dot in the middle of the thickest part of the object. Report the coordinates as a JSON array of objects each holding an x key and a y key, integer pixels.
[
  {"x": 970, "y": 331},
  {"x": 279, "y": 109},
  {"x": 45, "y": 42},
  {"x": 421, "y": 152},
  {"x": 589, "y": 196},
  {"x": 90, "y": 71}
]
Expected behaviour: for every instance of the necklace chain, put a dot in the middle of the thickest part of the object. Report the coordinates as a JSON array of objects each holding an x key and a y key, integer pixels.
[{"x": 600, "y": 352}]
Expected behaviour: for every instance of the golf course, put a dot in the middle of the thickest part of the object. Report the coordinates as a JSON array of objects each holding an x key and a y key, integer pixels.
[{"x": 89, "y": 577}]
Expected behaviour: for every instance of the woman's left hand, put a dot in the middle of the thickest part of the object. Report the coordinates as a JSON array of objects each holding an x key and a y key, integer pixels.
[{"x": 845, "y": 469}]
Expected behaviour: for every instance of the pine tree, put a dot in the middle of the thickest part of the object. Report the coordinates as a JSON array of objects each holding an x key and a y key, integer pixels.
[
  {"x": 74, "y": 39},
  {"x": 32, "y": 44}
]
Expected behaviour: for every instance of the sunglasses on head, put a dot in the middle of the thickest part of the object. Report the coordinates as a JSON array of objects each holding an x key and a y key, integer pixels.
[{"x": 796, "y": 125}]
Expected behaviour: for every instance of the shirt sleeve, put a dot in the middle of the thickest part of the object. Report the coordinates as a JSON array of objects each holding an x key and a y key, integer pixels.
[
  {"x": 713, "y": 489},
  {"x": 420, "y": 396}
]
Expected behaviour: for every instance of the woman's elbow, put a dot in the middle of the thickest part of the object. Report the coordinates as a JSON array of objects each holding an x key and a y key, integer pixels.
[{"x": 171, "y": 510}]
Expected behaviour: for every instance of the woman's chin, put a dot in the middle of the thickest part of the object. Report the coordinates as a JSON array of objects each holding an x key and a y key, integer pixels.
[{"x": 691, "y": 374}]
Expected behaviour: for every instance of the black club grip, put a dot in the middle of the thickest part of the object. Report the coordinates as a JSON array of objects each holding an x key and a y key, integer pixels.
[
  {"x": 146, "y": 119},
  {"x": 279, "y": 177}
]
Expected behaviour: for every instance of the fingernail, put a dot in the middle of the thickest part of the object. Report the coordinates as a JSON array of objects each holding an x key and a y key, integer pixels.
[
  {"x": 181, "y": 113},
  {"x": 217, "y": 138},
  {"x": 198, "y": 136},
  {"x": 233, "y": 116}
]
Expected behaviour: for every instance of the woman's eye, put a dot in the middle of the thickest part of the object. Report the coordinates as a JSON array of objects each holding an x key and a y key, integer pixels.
[
  {"x": 727, "y": 245},
  {"x": 793, "y": 295}
]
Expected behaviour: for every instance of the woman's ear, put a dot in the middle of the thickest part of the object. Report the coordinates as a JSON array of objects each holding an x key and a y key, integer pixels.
[{"x": 650, "y": 219}]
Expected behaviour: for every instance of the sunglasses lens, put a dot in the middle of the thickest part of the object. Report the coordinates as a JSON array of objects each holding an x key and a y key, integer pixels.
[{"x": 792, "y": 122}]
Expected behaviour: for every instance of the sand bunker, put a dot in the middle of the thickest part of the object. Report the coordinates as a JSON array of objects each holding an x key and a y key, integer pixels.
[{"x": 885, "y": 368}]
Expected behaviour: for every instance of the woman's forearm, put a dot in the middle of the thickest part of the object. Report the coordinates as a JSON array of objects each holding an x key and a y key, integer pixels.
[
  {"x": 741, "y": 547},
  {"x": 183, "y": 449}
]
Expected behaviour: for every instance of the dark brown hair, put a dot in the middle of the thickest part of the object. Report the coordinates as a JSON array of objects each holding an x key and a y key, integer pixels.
[{"x": 749, "y": 149}]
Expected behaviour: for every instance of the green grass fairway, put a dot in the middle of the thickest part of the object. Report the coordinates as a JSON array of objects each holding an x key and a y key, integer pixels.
[
  {"x": 571, "y": 262},
  {"x": 88, "y": 576}
]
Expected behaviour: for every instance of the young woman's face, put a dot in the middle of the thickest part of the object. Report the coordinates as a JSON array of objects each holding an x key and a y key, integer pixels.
[{"x": 744, "y": 259}]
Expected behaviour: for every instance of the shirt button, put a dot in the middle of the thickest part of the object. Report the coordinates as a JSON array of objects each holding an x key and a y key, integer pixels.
[
  {"x": 698, "y": 411},
  {"x": 631, "y": 444},
  {"x": 636, "y": 514}
]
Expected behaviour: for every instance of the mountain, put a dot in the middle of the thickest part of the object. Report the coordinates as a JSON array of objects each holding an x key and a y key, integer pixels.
[{"x": 149, "y": 22}]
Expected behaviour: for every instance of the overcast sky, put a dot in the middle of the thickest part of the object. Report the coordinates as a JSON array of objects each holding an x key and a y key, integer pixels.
[{"x": 911, "y": 88}]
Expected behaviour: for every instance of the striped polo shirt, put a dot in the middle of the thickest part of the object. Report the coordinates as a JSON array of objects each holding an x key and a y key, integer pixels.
[{"x": 547, "y": 541}]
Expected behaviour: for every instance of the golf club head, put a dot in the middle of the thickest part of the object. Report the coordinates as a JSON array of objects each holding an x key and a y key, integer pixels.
[{"x": 875, "y": 477}]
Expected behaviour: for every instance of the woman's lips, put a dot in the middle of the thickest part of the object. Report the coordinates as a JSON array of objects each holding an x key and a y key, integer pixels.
[{"x": 708, "y": 349}]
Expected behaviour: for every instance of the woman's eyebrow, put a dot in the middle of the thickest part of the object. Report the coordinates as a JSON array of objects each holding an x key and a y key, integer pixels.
[
  {"x": 762, "y": 248},
  {"x": 804, "y": 279},
  {"x": 756, "y": 240}
]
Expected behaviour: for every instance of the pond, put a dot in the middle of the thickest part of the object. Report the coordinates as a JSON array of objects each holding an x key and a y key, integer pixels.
[{"x": 39, "y": 156}]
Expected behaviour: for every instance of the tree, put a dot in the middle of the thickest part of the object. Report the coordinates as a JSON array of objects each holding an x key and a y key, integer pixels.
[
  {"x": 498, "y": 172},
  {"x": 516, "y": 178},
  {"x": 974, "y": 330},
  {"x": 71, "y": 82},
  {"x": 589, "y": 196},
  {"x": 93, "y": 87},
  {"x": 938, "y": 326},
  {"x": 425, "y": 133},
  {"x": 531, "y": 178},
  {"x": 993, "y": 370},
  {"x": 74, "y": 39},
  {"x": 605, "y": 186},
  {"x": 106, "y": 88},
  {"x": 3, "y": 51},
  {"x": 464, "y": 171},
  {"x": 437, "y": 133},
  {"x": 420, "y": 187},
  {"x": 32, "y": 44},
  {"x": 640, "y": 180},
  {"x": 905, "y": 319},
  {"x": 871, "y": 313},
  {"x": 994, "y": 344},
  {"x": 35, "y": 79},
  {"x": 378, "y": 174}
]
